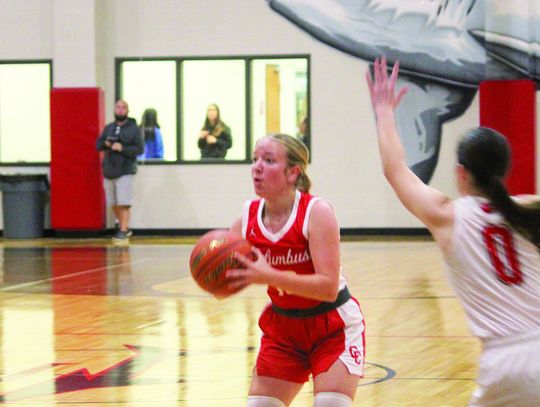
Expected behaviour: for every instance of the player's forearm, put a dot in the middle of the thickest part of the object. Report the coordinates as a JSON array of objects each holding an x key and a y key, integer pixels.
[
  {"x": 316, "y": 286},
  {"x": 390, "y": 147}
]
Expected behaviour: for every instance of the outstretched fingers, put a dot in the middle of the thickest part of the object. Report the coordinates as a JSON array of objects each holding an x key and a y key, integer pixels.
[
  {"x": 382, "y": 86},
  {"x": 402, "y": 92},
  {"x": 384, "y": 70},
  {"x": 392, "y": 85},
  {"x": 369, "y": 81},
  {"x": 393, "y": 76}
]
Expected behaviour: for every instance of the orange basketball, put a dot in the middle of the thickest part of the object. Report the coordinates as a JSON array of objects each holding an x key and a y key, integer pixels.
[{"x": 212, "y": 256}]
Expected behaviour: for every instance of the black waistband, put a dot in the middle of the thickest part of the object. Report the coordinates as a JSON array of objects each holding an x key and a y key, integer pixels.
[{"x": 343, "y": 296}]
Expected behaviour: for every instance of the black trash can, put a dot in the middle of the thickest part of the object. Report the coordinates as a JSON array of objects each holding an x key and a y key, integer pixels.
[{"x": 23, "y": 204}]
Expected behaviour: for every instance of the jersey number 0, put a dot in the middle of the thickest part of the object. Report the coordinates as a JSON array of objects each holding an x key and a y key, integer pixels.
[{"x": 500, "y": 244}]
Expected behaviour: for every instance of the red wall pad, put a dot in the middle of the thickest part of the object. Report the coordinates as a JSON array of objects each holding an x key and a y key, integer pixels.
[
  {"x": 510, "y": 108},
  {"x": 77, "y": 196}
]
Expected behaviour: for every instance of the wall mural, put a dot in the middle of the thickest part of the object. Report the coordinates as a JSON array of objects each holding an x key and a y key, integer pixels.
[{"x": 445, "y": 48}]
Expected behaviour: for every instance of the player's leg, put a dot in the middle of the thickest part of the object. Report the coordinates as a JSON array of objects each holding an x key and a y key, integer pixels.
[
  {"x": 334, "y": 383},
  {"x": 509, "y": 373},
  {"x": 338, "y": 362},
  {"x": 269, "y": 392},
  {"x": 281, "y": 370},
  {"x": 264, "y": 401}
]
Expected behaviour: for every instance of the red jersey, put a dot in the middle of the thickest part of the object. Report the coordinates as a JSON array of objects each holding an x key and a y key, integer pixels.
[{"x": 287, "y": 249}]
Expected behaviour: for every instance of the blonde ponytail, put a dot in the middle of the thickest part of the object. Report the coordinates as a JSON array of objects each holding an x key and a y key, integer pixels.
[{"x": 297, "y": 154}]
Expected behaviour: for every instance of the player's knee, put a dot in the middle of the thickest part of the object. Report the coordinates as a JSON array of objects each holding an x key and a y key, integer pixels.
[
  {"x": 331, "y": 399},
  {"x": 264, "y": 401}
]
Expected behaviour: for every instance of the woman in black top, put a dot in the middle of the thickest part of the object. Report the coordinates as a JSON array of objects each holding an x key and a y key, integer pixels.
[{"x": 215, "y": 138}]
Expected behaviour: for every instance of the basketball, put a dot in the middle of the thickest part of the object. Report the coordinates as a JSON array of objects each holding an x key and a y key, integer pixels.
[{"x": 212, "y": 256}]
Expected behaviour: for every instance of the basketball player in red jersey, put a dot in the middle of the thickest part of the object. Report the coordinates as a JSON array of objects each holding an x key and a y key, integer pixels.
[
  {"x": 490, "y": 242},
  {"x": 312, "y": 325}
]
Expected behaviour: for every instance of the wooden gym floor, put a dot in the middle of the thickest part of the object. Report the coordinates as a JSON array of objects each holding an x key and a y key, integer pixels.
[{"x": 88, "y": 323}]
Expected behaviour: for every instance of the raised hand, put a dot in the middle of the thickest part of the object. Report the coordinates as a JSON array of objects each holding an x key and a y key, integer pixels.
[{"x": 383, "y": 88}]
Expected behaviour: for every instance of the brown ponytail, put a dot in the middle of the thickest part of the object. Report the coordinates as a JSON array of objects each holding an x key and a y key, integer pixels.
[{"x": 486, "y": 154}]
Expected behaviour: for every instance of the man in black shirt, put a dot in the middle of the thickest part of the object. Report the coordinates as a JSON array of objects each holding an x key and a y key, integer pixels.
[{"x": 121, "y": 143}]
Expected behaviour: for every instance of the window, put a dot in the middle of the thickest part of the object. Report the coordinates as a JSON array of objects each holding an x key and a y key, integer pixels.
[
  {"x": 279, "y": 97},
  {"x": 25, "y": 130},
  {"x": 152, "y": 85},
  {"x": 219, "y": 82},
  {"x": 255, "y": 96}
]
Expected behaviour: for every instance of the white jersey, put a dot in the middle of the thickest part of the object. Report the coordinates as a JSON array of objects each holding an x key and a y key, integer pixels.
[{"x": 494, "y": 271}]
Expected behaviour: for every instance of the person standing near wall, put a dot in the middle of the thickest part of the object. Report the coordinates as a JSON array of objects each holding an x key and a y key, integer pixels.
[
  {"x": 490, "y": 243},
  {"x": 303, "y": 131},
  {"x": 215, "y": 137},
  {"x": 121, "y": 143},
  {"x": 151, "y": 134}
]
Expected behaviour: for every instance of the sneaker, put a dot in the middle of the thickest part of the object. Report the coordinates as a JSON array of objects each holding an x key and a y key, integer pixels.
[
  {"x": 121, "y": 236},
  {"x": 129, "y": 233}
]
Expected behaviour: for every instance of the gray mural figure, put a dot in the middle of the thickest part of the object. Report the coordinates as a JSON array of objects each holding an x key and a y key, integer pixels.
[{"x": 445, "y": 48}]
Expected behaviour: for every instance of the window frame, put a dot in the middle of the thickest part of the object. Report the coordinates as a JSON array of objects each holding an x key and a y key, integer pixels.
[{"x": 248, "y": 59}]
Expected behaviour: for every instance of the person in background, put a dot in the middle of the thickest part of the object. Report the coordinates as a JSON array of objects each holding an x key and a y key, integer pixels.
[
  {"x": 490, "y": 242},
  {"x": 121, "y": 143},
  {"x": 303, "y": 131},
  {"x": 313, "y": 326},
  {"x": 151, "y": 134},
  {"x": 215, "y": 137}
]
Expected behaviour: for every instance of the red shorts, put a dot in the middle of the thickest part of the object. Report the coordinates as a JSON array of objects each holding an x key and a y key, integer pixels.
[{"x": 294, "y": 348}]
